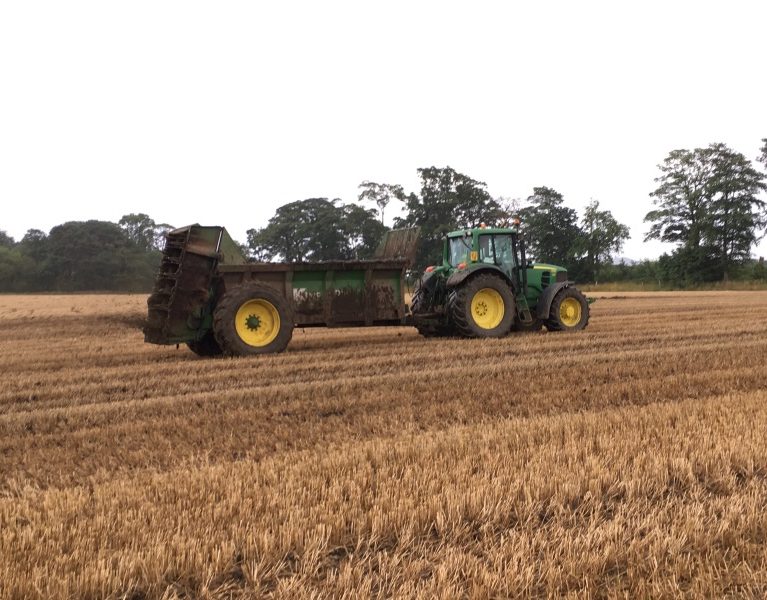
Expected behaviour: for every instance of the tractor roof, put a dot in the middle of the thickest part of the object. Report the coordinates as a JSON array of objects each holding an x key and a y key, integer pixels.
[{"x": 495, "y": 230}]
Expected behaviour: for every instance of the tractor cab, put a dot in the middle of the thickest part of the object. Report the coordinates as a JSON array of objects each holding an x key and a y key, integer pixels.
[{"x": 483, "y": 246}]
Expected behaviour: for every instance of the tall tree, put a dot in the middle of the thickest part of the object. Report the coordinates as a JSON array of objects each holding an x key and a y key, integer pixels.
[
  {"x": 87, "y": 255},
  {"x": 551, "y": 228},
  {"x": 142, "y": 230},
  {"x": 735, "y": 212},
  {"x": 763, "y": 157},
  {"x": 681, "y": 198},
  {"x": 15, "y": 270},
  {"x": 363, "y": 231},
  {"x": 381, "y": 194},
  {"x": 601, "y": 235},
  {"x": 6, "y": 241},
  {"x": 316, "y": 229},
  {"x": 448, "y": 200},
  {"x": 33, "y": 244}
]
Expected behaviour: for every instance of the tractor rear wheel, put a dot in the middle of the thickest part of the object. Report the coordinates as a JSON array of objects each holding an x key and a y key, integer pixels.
[
  {"x": 426, "y": 329},
  {"x": 569, "y": 311},
  {"x": 252, "y": 319},
  {"x": 482, "y": 307},
  {"x": 207, "y": 346}
]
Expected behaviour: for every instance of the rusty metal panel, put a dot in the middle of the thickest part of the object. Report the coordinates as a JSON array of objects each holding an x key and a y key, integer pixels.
[{"x": 399, "y": 244}]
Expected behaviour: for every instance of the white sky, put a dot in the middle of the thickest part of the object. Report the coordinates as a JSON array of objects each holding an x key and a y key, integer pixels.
[{"x": 220, "y": 112}]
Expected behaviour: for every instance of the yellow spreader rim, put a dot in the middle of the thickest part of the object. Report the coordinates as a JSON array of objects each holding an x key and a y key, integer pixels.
[
  {"x": 487, "y": 308},
  {"x": 257, "y": 322},
  {"x": 570, "y": 312}
]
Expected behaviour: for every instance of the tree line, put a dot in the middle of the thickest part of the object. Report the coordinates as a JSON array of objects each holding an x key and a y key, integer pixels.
[
  {"x": 84, "y": 256},
  {"x": 707, "y": 202}
]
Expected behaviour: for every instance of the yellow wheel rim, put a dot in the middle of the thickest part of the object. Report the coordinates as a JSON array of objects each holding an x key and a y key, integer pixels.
[
  {"x": 257, "y": 322},
  {"x": 487, "y": 308},
  {"x": 570, "y": 312}
]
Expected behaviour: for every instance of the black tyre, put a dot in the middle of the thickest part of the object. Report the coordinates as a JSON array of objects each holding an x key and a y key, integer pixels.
[
  {"x": 426, "y": 329},
  {"x": 482, "y": 307},
  {"x": 569, "y": 311},
  {"x": 252, "y": 319},
  {"x": 207, "y": 346}
]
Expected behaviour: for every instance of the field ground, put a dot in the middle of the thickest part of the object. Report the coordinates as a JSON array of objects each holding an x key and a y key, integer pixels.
[{"x": 628, "y": 460}]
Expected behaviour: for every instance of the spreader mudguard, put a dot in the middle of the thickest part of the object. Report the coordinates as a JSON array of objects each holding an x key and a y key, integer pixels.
[{"x": 547, "y": 297}]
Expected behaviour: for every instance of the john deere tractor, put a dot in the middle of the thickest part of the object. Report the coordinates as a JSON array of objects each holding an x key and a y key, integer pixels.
[{"x": 485, "y": 287}]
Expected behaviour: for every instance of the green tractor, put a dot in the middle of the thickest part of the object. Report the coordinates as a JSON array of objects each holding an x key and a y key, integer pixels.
[{"x": 485, "y": 287}]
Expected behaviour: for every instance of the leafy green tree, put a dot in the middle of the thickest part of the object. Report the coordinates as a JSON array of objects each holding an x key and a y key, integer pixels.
[
  {"x": 689, "y": 266},
  {"x": 142, "y": 230},
  {"x": 708, "y": 204},
  {"x": 300, "y": 231},
  {"x": 448, "y": 200},
  {"x": 601, "y": 235},
  {"x": 87, "y": 255},
  {"x": 763, "y": 158},
  {"x": 316, "y": 229},
  {"x": 551, "y": 228},
  {"x": 15, "y": 270},
  {"x": 6, "y": 241},
  {"x": 381, "y": 194},
  {"x": 363, "y": 231},
  {"x": 681, "y": 198},
  {"x": 735, "y": 213},
  {"x": 34, "y": 246}
]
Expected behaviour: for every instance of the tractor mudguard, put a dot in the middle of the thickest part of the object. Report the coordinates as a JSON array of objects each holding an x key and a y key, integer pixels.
[
  {"x": 458, "y": 277},
  {"x": 547, "y": 297}
]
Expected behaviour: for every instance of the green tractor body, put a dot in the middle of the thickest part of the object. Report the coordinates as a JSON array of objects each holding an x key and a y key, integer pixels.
[{"x": 485, "y": 287}]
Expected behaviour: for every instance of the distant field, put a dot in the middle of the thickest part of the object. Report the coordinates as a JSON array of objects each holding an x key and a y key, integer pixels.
[{"x": 626, "y": 460}]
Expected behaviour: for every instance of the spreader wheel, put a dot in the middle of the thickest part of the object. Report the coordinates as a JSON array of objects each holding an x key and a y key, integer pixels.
[
  {"x": 207, "y": 346},
  {"x": 252, "y": 319}
]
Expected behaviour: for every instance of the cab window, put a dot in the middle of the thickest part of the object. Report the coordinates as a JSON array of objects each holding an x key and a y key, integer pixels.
[
  {"x": 486, "y": 254},
  {"x": 496, "y": 249},
  {"x": 504, "y": 250},
  {"x": 459, "y": 250}
]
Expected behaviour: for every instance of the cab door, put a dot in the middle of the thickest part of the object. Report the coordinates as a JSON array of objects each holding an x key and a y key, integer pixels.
[{"x": 503, "y": 252}]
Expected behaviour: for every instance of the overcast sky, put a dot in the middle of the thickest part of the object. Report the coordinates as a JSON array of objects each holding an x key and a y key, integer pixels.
[{"x": 220, "y": 112}]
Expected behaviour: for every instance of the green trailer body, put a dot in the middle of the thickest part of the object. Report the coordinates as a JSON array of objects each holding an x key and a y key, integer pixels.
[{"x": 201, "y": 265}]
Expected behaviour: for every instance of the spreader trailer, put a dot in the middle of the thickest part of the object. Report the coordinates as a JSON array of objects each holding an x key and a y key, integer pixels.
[{"x": 209, "y": 297}]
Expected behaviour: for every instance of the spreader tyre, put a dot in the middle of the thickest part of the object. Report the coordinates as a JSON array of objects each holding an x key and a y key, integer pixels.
[
  {"x": 482, "y": 307},
  {"x": 207, "y": 346},
  {"x": 569, "y": 311},
  {"x": 252, "y": 319}
]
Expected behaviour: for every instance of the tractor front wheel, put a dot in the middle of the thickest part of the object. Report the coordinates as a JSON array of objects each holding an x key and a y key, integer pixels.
[
  {"x": 569, "y": 311},
  {"x": 252, "y": 319},
  {"x": 482, "y": 307}
]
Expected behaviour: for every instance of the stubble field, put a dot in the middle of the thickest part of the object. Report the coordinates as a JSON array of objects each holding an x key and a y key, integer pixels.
[{"x": 628, "y": 460}]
